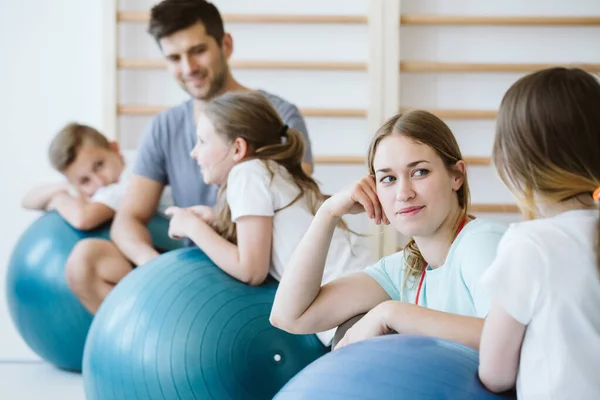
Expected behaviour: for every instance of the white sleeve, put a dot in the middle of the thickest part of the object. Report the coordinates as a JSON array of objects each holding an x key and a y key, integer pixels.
[
  {"x": 515, "y": 278},
  {"x": 111, "y": 195},
  {"x": 248, "y": 190}
]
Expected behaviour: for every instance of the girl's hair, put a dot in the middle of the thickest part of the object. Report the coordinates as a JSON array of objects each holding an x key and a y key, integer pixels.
[
  {"x": 250, "y": 116},
  {"x": 548, "y": 138},
  {"x": 426, "y": 128}
]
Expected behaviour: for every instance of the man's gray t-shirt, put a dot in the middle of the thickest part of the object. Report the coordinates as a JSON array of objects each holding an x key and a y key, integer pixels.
[{"x": 164, "y": 152}]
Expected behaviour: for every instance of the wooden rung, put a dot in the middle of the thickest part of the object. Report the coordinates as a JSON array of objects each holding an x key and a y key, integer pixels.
[
  {"x": 414, "y": 19},
  {"x": 123, "y": 63},
  {"x": 247, "y": 64},
  {"x": 325, "y": 112},
  {"x": 471, "y": 161},
  {"x": 142, "y": 16},
  {"x": 431, "y": 66},
  {"x": 139, "y": 110},
  {"x": 461, "y": 114},
  {"x": 307, "y": 112},
  {"x": 333, "y": 112},
  {"x": 494, "y": 208},
  {"x": 339, "y": 160},
  {"x": 478, "y": 161}
]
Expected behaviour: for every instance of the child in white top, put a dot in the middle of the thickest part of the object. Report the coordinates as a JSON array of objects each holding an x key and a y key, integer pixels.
[
  {"x": 543, "y": 330},
  {"x": 266, "y": 201},
  {"x": 96, "y": 171}
]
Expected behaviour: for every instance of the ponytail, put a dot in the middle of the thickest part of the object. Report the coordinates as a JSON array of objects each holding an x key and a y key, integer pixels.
[
  {"x": 289, "y": 153},
  {"x": 598, "y": 244},
  {"x": 596, "y": 196}
]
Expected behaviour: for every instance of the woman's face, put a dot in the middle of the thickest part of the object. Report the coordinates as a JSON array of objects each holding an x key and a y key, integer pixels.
[{"x": 416, "y": 190}]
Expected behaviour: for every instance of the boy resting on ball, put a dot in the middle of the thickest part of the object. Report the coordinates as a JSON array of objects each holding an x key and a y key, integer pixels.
[{"x": 96, "y": 172}]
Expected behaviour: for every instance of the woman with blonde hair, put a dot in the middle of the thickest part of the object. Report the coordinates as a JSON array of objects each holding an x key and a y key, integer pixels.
[
  {"x": 418, "y": 184},
  {"x": 543, "y": 330},
  {"x": 266, "y": 201}
]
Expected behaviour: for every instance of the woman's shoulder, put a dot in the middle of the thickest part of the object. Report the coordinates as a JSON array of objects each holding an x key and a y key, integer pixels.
[
  {"x": 479, "y": 228},
  {"x": 481, "y": 235},
  {"x": 392, "y": 264}
]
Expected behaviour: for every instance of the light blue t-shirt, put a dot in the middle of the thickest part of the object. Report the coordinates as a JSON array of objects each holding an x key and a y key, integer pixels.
[{"x": 455, "y": 286}]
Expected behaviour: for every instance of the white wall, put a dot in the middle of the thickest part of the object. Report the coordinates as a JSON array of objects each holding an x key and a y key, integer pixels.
[{"x": 51, "y": 74}]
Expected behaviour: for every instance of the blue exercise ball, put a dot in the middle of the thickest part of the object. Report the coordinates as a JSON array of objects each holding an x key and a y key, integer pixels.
[
  {"x": 392, "y": 367},
  {"x": 180, "y": 328},
  {"x": 47, "y": 315}
]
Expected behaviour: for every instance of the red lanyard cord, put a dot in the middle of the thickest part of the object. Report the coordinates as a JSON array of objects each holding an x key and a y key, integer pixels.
[{"x": 460, "y": 228}]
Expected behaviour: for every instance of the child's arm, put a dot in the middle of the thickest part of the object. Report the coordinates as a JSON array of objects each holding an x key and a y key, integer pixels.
[
  {"x": 516, "y": 284},
  {"x": 500, "y": 350},
  {"x": 79, "y": 212},
  {"x": 248, "y": 262},
  {"x": 301, "y": 305},
  {"x": 39, "y": 197}
]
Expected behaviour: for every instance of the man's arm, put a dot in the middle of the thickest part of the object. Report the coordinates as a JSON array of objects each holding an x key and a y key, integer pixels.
[
  {"x": 142, "y": 196},
  {"x": 129, "y": 230}
]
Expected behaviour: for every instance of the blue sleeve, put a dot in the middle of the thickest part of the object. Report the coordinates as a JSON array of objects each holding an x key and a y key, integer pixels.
[
  {"x": 479, "y": 252},
  {"x": 388, "y": 274},
  {"x": 293, "y": 118},
  {"x": 151, "y": 161}
]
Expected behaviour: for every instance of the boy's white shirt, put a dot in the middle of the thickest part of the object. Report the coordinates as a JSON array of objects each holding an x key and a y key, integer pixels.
[{"x": 112, "y": 195}]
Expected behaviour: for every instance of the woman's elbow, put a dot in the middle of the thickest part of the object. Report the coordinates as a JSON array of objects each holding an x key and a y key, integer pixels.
[
  {"x": 85, "y": 222},
  {"x": 255, "y": 280},
  {"x": 284, "y": 323},
  {"x": 253, "y": 277},
  {"x": 494, "y": 381}
]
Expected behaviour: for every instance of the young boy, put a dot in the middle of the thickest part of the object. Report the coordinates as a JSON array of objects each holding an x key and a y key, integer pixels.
[{"x": 96, "y": 172}]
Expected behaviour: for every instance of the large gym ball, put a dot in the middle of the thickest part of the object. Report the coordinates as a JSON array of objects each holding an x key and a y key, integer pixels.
[
  {"x": 180, "y": 328},
  {"x": 46, "y": 313},
  {"x": 392, "y": 367}
]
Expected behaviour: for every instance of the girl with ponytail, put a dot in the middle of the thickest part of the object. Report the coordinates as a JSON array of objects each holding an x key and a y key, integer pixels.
[
  {"x": 417, "y": 183},
  {"x": 543, "y": 329},
  {"x": 266, "y": 201}
]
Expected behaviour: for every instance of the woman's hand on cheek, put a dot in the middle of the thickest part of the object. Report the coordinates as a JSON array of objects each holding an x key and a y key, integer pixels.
[
  {"x": 373, "y": 324},
  {"x": 182, "y": 220},
  {"x": 360, "y": 197}
]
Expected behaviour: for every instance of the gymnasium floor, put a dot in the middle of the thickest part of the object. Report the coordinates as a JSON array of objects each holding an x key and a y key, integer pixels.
[{"x": 39, "y": 381}]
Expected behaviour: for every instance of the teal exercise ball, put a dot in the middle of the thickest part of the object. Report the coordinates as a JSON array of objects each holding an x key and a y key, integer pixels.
[
  {"x": 47, "y": 315},
  {"x": 180, "y": 328}
]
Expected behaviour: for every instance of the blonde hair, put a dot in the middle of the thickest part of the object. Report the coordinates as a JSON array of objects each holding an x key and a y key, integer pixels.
[
  {"x": 250, "y": 116},
  {"x": 427, "y": 129},
  {"x": 548, "y": 138},
  {"x": 65, "y": 146}
]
